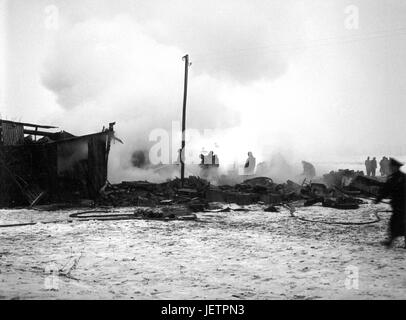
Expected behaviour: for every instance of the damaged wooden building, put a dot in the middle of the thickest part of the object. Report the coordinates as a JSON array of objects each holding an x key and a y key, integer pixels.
[{"x": 39, "y": 164}]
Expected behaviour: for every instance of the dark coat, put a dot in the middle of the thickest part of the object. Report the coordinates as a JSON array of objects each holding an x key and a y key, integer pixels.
[
  {"x": 373, "y": 164},
  {"x": 395, "y": 188}
]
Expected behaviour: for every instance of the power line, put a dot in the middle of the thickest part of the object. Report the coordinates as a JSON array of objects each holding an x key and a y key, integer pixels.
[{"x": 286, "y": 46}]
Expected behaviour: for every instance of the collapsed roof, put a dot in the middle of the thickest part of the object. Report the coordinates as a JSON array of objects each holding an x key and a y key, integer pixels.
[{"x": 39, "y": 164}]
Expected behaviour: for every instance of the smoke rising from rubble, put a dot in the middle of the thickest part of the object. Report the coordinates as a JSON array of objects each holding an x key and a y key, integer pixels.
[
  {"x": 109, "y": 70},
  {"x": 305, "y": 104}
]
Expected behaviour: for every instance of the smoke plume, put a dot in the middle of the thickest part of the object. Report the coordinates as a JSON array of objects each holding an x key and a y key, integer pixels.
[{"x": 103, "y": 71}]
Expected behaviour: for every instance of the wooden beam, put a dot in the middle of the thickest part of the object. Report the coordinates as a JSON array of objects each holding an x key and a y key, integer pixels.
[
  {"x": 35, "y": 132},
  {"x": 28, "y": 124},
  {"x": 39, "y": 133}
]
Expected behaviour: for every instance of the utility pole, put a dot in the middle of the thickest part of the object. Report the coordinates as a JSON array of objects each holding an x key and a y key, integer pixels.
[{"x": 182, "y": 150}]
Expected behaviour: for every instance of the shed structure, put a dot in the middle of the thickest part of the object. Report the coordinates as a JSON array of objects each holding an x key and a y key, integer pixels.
[{"x": 37, "y": 165}]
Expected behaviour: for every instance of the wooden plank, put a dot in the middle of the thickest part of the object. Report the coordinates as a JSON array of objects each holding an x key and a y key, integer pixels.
[
  {"x": 38, "y": 133},
  {"x": 29, "y": 124}
]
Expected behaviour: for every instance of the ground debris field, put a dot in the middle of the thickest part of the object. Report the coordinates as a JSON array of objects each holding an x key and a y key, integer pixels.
[{"x": 222, "y": 255}]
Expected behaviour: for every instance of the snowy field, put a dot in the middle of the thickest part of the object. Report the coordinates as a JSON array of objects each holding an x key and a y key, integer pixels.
[{"x": 227, "y": 255}]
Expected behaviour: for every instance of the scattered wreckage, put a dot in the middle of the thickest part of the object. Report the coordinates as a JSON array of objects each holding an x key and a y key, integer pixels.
[
  {"x": 197, "y": 193},
  {"x": 59, "y": 167}
]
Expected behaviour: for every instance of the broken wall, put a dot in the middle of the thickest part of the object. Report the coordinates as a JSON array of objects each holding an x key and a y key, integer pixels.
[{"x": 82, "y": 166}]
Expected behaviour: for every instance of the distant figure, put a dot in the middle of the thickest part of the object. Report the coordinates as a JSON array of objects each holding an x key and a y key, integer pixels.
[
  {"x": 374, "y": 165},
  {"x": 384, "y": 167},
  {"x": 368, "y": 166},
  {"x": 308, "y": 170},
  {"x": 177, "y": 162},
  {"x": 208, "y": 160},
  {"x": 216, "y": 162},
  {"x": 209, "y": 166},
  {"x": 395, "y": 188},
  {"x": 249, "y": 167},
  {"x": 139, "y": 159}
]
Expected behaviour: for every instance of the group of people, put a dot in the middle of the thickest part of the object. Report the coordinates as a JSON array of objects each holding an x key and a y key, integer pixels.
[
  {"x": 372, "y": 165},
  {"x": 394, "y": 188},
  {"x": 209, "y": 160}
]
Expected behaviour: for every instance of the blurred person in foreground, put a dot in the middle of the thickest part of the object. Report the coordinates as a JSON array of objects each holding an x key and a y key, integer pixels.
[{"x": 395, "y": 189}]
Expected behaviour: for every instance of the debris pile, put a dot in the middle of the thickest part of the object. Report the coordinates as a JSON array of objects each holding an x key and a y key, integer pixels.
[
  {"x": 147, "y": 194},
  {"x": 354, "y": 182},
  {"x": 258, "y": 189},
  {"x": 174, "y": 200},
  {"x": 337, "y": 190},
  {"x": 341, "y": 178},
  {"x": 197, "y": 193},
  {"x": 367, "y": 185},
  {"x": 330, "y": 194}
]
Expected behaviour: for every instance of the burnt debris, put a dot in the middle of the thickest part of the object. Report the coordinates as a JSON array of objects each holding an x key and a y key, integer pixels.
[
  {"x": 38, "y": 166},
  {"x": 197, "y": 193}
]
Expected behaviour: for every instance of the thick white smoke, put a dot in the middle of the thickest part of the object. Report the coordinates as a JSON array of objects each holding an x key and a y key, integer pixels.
[{"x": 103, "y": 71}]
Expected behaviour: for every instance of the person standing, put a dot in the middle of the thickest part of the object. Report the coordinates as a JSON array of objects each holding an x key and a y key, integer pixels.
[
  {"x": 384, "y": 163},
  {"x": 368, "y": 166},
  {"x": 386, "y": 167},
  {"x": 249, "y": 166},
  {"x": 215, "y": 160},
  {"x": 308, "y": 170},
  {"x": 382, "y": 166},
  {"x": 395, "y": 188},
  {"x": 374, "y": 165}
]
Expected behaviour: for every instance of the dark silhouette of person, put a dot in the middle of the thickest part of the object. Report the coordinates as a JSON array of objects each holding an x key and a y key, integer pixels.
[
  {"x": 382, "y": 166},
  {"x": 386, "y": 167},
  {"x": 215, "y": 160},
  {"x": 374, "y": 165},
  {"x": 368, "y": 166},
  {"x": 395, "y": 189},
  {"x": 208, "y": 160},
  {"x": 308, "y": 170},
  {"x": 249, "y": 166},
  {"x": 211, "y": 160},
  {"x": 177, "y": 162}
]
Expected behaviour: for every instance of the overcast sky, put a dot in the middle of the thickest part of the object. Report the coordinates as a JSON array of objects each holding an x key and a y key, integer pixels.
[{"x": 285, "y": 75}]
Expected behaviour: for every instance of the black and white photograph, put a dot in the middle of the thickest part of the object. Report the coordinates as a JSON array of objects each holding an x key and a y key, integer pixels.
[{"x": 202, "y": 150}]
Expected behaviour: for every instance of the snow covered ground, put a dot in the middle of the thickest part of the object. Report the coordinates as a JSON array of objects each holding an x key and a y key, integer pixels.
[{"x": 228, "y": 255}]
